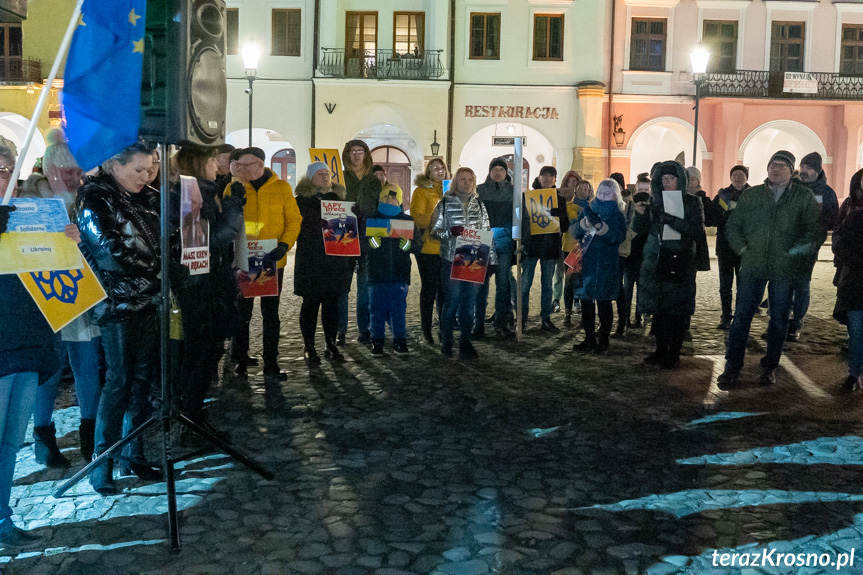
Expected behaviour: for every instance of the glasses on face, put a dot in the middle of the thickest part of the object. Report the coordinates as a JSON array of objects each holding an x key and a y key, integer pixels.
[
  {"x": 357, "y": 152},
  {"x": 248, "y": 164},
  {"x": 5, "y": 172}
]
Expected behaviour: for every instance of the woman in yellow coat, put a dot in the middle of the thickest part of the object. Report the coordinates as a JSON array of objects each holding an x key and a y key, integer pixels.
[{"x": 428, "y": 193}]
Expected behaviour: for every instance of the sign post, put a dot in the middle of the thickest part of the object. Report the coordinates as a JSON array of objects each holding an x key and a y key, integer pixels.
[{"x": 516, "y": 231}]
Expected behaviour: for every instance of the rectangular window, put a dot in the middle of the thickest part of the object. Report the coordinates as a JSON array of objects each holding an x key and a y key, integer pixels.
[
  {"x": 409, "y": 32},
  {"x": 851, "y": 59},
  {"x": 232, "y": 30},
  {"x": 287, "y": 26},
  {"x": 548, "y": 37},
  {"x": 786, "y": 46},
  {"x": 647, "y": 45},
  {"x": 484, "y": 36},
  {"x": 720, "y": 36}
]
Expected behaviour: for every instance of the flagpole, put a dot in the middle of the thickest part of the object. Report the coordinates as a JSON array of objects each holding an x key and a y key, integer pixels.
[
  {"x": 43, "y": 98},
  {"x": 516, "y": 232}
]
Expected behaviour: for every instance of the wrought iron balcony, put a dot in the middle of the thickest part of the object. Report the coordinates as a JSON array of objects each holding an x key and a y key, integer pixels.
[
  {"x": 17, "y": 70},
  {"x": 380, "y": 64},
  {"x": 766, "y": 84}
]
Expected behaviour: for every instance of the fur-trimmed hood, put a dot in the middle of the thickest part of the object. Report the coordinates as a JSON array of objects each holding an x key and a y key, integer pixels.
[
  {"x": 423, "y": 181},
  {"x": 306, "y": 189}
]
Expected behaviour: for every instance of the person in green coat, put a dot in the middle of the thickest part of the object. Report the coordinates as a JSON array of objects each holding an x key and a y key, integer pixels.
[{"x": 775, "y": 230}]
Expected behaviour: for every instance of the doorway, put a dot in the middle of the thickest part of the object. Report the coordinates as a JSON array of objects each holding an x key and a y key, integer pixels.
[{"x": 398, "y": 167}]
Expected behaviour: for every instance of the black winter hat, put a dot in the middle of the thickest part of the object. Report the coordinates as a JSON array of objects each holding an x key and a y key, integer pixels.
[
  {"x": 783, "y": 156},
  {"x": 257, "y": 152},
  {"x": 740, "y": 167},
  {"x": 813, "y": 160},
  {"x": 498, "y": 162}
]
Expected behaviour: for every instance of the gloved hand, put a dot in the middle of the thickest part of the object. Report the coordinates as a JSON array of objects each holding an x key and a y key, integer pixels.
[
  {"x": 667, "y": 218},
  {"x": 238, "y": 191},
  {"x": 456, "y": 230},
  {"x": 355, "y": 209},
  {"x": 324, "y": 224},
  {"x": 375, "y": 242},
  {"x": 491, "y": 269},
  {"x": 275, "y": 255},
  {"x": 4, "y": 217},
  {"x": 405, "y": 244},
  {"x": 799, "y": 250},
  {"x": 584, "y": 224},
  {"x": 602, "y": 229}
]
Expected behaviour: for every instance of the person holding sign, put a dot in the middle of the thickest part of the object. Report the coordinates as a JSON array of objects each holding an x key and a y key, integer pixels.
[
  {"x": 459, "y": 210},
  {"x": 28, "y": 358},
  {"x": 427, "y": 195},
  {"x": 321, "y": 280},
  {"x": 271, "y": 213},
  {"x": 673, "y": 220},
  {"x": 118, "y": 215},
  {"x": 363, "y": 188},
  {"x": 600, "y": 276}
]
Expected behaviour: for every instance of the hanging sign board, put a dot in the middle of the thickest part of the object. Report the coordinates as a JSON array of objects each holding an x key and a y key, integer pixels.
[{"x": 800, "y": 83}]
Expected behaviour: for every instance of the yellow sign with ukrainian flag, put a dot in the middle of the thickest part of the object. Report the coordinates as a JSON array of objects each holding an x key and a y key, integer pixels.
[
  {"x": 331, "y": 158},
  {"x": 63, "y": 295},
  {"x": 35, "y": 238},
  {"x": 539, "y": 206}
]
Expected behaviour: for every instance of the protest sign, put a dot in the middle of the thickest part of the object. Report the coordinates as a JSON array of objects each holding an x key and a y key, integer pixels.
[
  {"x": 472, "y": 253},
  {"x": 63, "y": 295},
  {"x": 539, "y": 206},
  {"x": 35, "y": 240},
  {"x": 333, "y": 159},
  {"x": 389, "y": 228},
  {"x": 195, "y": 236},
  {"x": 262, "y": 279},
  {"x": 341, "y": 236},
  {"x": 672, "y": 203}
]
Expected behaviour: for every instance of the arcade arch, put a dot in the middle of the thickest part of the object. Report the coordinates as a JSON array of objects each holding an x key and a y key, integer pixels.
[
  {"x": 14, "y": 127},
  {"x": 768, "y": 138},
  {"x": 659, "y": 140}
]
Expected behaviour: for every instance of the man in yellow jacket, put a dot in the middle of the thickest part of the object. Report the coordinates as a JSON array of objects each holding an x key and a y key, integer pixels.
[{"x": 271, "y": 213}]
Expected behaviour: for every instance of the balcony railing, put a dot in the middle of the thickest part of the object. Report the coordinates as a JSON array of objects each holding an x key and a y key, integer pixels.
[
  {"x": 380, "y": 64},
  {"x": 14, "y": 70},
  {"x": 765, "y": 84}
]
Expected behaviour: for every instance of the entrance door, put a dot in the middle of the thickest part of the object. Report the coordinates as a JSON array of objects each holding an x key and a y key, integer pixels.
[
  {"x": 361, "y": 42},
  {"x": 525, "y": 170},
  {"x": 284, "y": 164},
  {"x": 398, "y": 168}
]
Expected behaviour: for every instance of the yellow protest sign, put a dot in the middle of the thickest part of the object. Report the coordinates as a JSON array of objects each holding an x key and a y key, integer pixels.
[
  {"x": 63, "y": 295},
  {"x": 333, "y": 159},
  {"x": 539, "y": 206},
  {"x": 32, "y": 251}
]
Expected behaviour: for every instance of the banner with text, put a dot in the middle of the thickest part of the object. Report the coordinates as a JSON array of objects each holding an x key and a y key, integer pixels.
[
  {"x": 35, "y": 240},
  {"x": 472, "y": 254},
  {"x": 195, "y": 238},
  {"x": 341, "y": 236},
  {"x": 262, "y": 279}
]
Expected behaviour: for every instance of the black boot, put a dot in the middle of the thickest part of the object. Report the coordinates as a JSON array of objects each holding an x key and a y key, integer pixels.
[
  {"x": 588, "y": 345},
  {"x": 602, "y": 344},
  {"x": 45, "y": 446},
  {"x": 86, "y": 438},
  {"x": 332, "y": 352},
  {"x": 310, "y": 354},
  {"x": 102, "y": 478}
]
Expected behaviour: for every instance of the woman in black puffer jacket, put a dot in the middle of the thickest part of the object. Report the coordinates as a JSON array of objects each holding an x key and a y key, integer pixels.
[{"x": 118, "y": 215}]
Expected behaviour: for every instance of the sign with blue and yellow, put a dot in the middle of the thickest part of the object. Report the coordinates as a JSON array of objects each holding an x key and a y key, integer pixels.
[
  {"x": 539, "y": 206},
  {"x": 331, "y": 158},
  {"x": 63, "y": 295},
  {"x": 35, "y": 240}
]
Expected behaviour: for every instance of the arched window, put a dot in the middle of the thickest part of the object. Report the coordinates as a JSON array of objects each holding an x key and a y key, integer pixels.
[
  {"x": 284, "y": 164},
  {"x": 398, "y": 167}
]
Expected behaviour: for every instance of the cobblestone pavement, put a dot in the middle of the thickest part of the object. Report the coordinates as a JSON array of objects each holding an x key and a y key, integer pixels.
[{"x": 530, "y": 460}]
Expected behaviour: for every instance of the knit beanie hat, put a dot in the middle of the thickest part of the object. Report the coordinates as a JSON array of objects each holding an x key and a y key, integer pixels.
[
  {"x": 740, "y": 167},
  {"x": 497, "y": 162},
  {"x": 693, "y": 172},
  {"x": 783, "y": 156},
  {"x": 315, "y": 168},
  {"x": 813, "y": 160}
]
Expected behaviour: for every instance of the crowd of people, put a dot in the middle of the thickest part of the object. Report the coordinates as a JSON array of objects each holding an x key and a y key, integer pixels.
[{"x": 641, "y": 247}]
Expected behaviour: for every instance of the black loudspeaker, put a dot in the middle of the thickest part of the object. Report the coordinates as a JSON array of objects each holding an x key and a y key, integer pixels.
[{"x": 183, "y": 84}]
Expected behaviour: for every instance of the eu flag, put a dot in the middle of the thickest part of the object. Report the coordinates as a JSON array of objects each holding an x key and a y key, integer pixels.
[{"x": 102, "y": 81}]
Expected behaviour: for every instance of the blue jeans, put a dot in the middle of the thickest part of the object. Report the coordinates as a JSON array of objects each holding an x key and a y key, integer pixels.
[
  {"x": 84, "y": 360},
  {"x": 546, "y": 276},
  {"x": 343, "y": 309},
  {"x": 389, "y": 302},
  {"x": 504, "y": 282},
  {"x": 557, "y": 284},
  {"x": 855, "y": 343},
  {"x": 363, "y": 317},
  {"x": 17, "y": 396},
  {"x": 460, "y": 297},
  {"x": 800, "y": 298},
  {"x": 750, "y": 292}
]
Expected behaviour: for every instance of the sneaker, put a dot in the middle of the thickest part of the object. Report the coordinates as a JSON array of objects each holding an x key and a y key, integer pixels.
[
  {"x": 446, "y": 349},
  {"x": 400, "y": 347},
  {"x": 377, "y": 347},
  {"x": 341, "y": 340},
  {"x": 728, "y": 380},
  {"x": 15, "y": 537},
  {"x": 793, "y": 335},
  {"x": 549, "y": 327},
  {"x": 467, "y": 351},
  {"x": 768, "y": 375},
  {"x": 588, "y": 345},
  {"x": 851, "y": 384},
  {"x": 555, "y": 306}
]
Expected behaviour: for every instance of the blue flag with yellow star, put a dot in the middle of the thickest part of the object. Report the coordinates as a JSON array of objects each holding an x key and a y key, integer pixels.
[{"x": 102, "y": 81}]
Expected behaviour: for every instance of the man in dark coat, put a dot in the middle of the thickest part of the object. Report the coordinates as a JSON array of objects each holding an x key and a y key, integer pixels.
[
  {"x": 812, "y": 177},
  {"x": 775, "y": 230}
]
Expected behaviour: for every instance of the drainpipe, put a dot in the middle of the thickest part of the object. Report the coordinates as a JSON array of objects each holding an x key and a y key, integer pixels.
[
  {"x": 315, "y": 48},
  {"x": 610, "y": 135},
  {"x": 451, "y": 103}
]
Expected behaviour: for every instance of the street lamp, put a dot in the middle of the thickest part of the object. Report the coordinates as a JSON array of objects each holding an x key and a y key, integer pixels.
[
  {"x": 435, "y": 147},
  {"x": 699, "y": 58},
  {"x": 251, "y": 55}
]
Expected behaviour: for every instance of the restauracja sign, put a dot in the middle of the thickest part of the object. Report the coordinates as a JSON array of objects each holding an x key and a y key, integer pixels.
[{"x": 511, "y": 112}]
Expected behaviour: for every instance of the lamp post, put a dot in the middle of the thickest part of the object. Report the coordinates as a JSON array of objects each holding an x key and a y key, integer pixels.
[
  {"x": 435, "y": 147},
  {"x": 251, "y": 55},
  {"x": 699, "y": 58}
]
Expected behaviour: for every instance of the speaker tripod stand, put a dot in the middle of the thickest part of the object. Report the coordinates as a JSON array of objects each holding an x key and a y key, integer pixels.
[{"x": 164, "y": 412}]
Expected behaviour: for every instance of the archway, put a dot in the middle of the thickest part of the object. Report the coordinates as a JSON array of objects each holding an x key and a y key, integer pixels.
[
  {"x": 284, "y": 164},
  {"x": 478, "y": 151},
  {"x": 767, "y": 139},
  {"x": 398, "y": 166},
  {"x": 659, "y": 140},
  {"x": 14, "y": 128}
]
